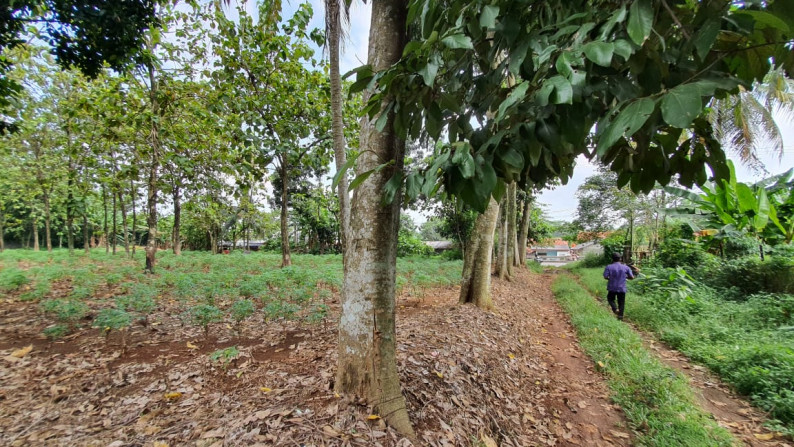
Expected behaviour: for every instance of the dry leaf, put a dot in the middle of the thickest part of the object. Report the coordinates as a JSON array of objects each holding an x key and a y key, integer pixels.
[
  {"x": 619, "y": 434},
  {"x": 601, "y": 364},
  {"x": 582, "y": 404},
  {"x": 330, "y": 431},
  {"x": 160, "y": 444},
  {"x": 488, "y": 441},
  {"x": 764, "y": 436},
  {"x": 19, "y": 353},
  {"x": 373, "y": 417},
  {"x": 173, "y": 395},
  {"x": 512, "y": 356},
  {"x": 264, "y": 389},
  {"x": 191, "y": 346},
  {"x": 441, "y": 375}
]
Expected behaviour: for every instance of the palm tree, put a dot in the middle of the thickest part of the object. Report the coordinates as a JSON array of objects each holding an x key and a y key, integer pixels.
[
  {"x": 744, "y": 121},
  {"x": 336, "y": 16}
]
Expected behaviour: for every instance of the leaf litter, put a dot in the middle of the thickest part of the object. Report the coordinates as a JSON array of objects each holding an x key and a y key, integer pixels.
[{"x": 511, "y": 377}]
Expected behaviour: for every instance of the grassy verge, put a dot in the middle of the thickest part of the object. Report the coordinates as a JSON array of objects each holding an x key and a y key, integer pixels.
[
  {"x": 749, "y": 344},
  {"x": 657, "y": 400}
]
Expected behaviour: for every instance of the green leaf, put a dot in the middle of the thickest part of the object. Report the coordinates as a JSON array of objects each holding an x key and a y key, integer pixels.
[
  {"x": 430, "y": 71},
  {"x": 599, "y": 52},
  {"x": 706, "y": 36},
  {"x": 466, "y": 166},
  {"x": 623, "y": 48},
  {"x": 628, "y": 121},
  {"x": 380, "y": 124},
  {"x": 746, "y": 198},
  {"x": 681, "y": 105},
  {"x": 488, "y": 16},
  {"x": 640, "y": 20},
  {"x": 563, "y": 64},
  {"x": 360, "y": 179},
  {"x": 348, "y": 164},
  {"x": 458, "y": 41},
  {"x": 515, "y": 96},
  {"x": 563, "y": 92},
  {"x": 391, "y": 187},
  {"x": 761, "y": 217}
]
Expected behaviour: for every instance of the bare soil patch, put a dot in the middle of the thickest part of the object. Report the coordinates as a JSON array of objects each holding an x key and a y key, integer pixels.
[{"x": 514, "y": 376}]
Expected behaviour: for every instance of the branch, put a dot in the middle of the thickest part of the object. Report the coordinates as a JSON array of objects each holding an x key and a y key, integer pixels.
[{"x": 675, "y": 19}]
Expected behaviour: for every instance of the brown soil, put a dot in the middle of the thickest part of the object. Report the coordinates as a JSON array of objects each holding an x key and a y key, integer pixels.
[{"x": 511, "y": 377}]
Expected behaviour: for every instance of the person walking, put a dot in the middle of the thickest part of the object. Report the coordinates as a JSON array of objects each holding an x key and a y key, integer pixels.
[{"x": 616, "y": 275}]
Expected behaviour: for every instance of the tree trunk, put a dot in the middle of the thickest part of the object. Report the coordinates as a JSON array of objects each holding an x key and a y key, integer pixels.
[
  {"x": 47, "y": 220},
  {"x": 524, "y": 230},
  {"x": 176, "y": 237},
  {"x": 2, "y": 230},
  {"x": 35, "y": 232},
  {"x": 133, "y": 197},
  {"x": 86, "y": 239},
  {"x": 124, "y": 223},
  {"x": 115, "y": 227},
  {"x": 475, "y": 284},
  {"x": 70, "y": 212},
  {"x": 151, "y": 203},
  {"x": 512, "y": 233},
  {"x": 105, "y": 216},
  {"x": 501, "y": 249},
  {"x": 333, "y": 21},
  {"x": 285, "y": 255},
  {"x": 367, "y": 364}
]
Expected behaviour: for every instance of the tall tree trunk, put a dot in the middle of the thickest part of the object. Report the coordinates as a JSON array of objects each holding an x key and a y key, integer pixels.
[
  {"x": 2, "y": 230},
  {"x": 115, "y": 227},
  {"x": 333, "y": 23},
  {"x": 524, "y": 230},
  {"x": 501, "y": 249},
  {"x": 133, "y": 197},
  {"x": 512, "y": 232},
  {"x": 367, "y": 363},
  {"x": 70, "y": 210},
  {"x": 105, "y": 216},
  {"x": 35, "y": 232},
  {"x": 175, "y": 235},
  {"x": 151, "y": 203},
  {"x": 47, "y": 220},
  {"x": 86, "y": 236},
  {"x": 124, "y": 222},
  {"x": 286, "y": 260},
  {"x": 475, "y": 284}
]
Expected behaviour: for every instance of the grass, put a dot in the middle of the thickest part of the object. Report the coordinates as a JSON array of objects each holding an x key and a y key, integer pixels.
[
  {"x": 656, "y": 399},
  {"x": 196, "y": 284},
  {"x": 749, "y": 344}
]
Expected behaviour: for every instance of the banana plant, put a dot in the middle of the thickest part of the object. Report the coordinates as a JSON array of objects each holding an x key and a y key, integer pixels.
[{"x": 731, "y": 206}]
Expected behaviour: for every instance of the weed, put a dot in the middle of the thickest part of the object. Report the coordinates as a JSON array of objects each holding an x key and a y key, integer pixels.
[
  {"x": 114, "y": 320},
  {"x": 225, "y": 356},
  {"x": 242, "y": 309},
  {"x": 12, "y": 278},
  {"x": 204, "y": 314},
  {"x": 56, "y": 331},
  {"x": 66, "y": 311},
  {"x": 280, "y": 309}
]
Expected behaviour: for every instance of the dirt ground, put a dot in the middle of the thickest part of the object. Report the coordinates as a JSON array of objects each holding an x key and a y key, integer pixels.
[{"x": 511, "y": 377}]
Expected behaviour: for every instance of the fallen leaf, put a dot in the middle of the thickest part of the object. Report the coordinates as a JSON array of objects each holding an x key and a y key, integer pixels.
[
  {"x": 619, "y": 434},
  {"x": 19, "y": 353},
  {"x": 329, "y": 431},
  {"x": 601, "y": 364},
  {"x": 582, "y": 404},
  {"x": 488, "y": 441},
  {"x": 191, "y": 346},
  {"x": 764, "y": 436},
  {"x": 173, "y": 395},
  {"x": 441, "y": 375},
  {"x": 373, "y": 417},
  {"x": 160, "y": 444},
  {"x": 264, "y": 389},
  {"x": 511, "y": 356}
]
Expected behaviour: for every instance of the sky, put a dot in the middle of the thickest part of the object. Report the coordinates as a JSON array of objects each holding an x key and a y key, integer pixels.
[{"x": 559, "y": 203}]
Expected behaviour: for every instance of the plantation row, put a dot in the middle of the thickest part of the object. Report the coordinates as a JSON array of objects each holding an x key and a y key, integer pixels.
[{"x": 201, "y": 289}]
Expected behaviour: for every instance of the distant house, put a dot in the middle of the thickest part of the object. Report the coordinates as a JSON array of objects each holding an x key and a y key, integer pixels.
[
  {"x": 587, "y": 248},
  {"x": 240, "y": 245},
  {"x": 558, "y": 251},
  {"x": 440, "y": 246}
]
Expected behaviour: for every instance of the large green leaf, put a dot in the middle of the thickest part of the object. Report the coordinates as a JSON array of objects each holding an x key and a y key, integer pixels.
[
  {"x": 458, "y": 41},
  {"x": 761, "y": 217},
  {"x": 640, "y": 20},
  {"x": 681, "y": 105},
  {"x": 628, "y": 121},
  {"x": 599, "y": 52},
  {"x": 488, "y": 16},
  {"x": 746, "y": 198},
  {"x": 563, "y": 92},
  {"x": 515, "y": 96}
]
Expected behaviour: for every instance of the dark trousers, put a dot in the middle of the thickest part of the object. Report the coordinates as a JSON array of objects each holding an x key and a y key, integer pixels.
[{"x": 621, "y": 296}]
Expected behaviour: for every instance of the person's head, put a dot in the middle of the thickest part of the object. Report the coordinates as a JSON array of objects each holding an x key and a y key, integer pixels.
[{"x": 615, "y": 257}]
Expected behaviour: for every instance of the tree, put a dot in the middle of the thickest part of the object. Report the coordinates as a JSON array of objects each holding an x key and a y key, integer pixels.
[
  {"x": 82, "y": 33},
  {"x": 367, "y": 363}
]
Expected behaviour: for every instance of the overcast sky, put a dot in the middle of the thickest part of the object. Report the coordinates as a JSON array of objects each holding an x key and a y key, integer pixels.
[{"x": 559, "y": 203}]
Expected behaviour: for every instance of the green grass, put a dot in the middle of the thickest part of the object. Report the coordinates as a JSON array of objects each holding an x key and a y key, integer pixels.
[
  {"x": 656, "y": 399},
  {"x": 749, "y": 344},
  {"x": 200, "y": 280}
]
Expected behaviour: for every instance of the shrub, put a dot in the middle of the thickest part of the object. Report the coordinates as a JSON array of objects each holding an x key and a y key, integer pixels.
[
  {"x": 66, "y": 311},
  {"x": 452, "y": 255},
  {"x": 280, "y": 309},
  {"x": 613, "y": 244},
  {"x": 592, "y": 260},
  {"x": 681, "y": 253},
  {"x": 204, "y": 314},
  {"x": 225, "y": 356},
  {"x": 242, "y": 309},
  {"x": 409, "y": 244},
  {"x": 12, "y": 278},
  {"x": 750, "y": 275}
]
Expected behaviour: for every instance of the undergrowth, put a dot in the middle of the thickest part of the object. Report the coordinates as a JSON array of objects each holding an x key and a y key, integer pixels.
[{"x": 656, "y": 399}]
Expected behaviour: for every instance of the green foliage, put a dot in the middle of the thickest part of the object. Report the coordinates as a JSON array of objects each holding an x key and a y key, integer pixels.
[
  {"x": 409, "y": 244},
  {"x": 614, "y": 243},
  {"x": 242, "y": 309},
  {"x": 279, "y": 309},
  {"x": 318, "y": 313},
  {"x": 56, "y": 331},
  {"x": 12, "y": 278},
  {"x": 66, "y": 310},
  {"x": 673, "y": 283},
  {"x": 112, "y": 319},
  {"x": 675, "y": 252},
  {"x": 204, "y": 315},
  {"x": 747, "y": 276},
  {"x": 225, "y": 356},
  {"x": 591, "y": 260}
]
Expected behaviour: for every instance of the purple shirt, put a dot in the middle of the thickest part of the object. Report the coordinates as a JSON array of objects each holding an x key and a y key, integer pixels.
[{"x": 616, "y": 274}]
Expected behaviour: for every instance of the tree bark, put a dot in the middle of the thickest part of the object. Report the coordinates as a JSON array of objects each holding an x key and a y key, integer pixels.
[
  {"x": 367, "y": 364},
  {"x": 35, "y": 232},
  {"x": 333, "y": 21},
  {"x": 286, "y": 260},
  {"x": 124, "y": 226},
  {"x": 524, "y": 230},
  {"x": 105, "y": 218},
  {"x": 133, "y": 197},
  {"x": 47, "y": 219},
  {"x": 151, "y": 203},
  {"x": 475, "y": 284},
  {"x": 70, "y": 211},
  {"x": 512, "y": 233},
  {"x": 114, "y": 226},
  {"x": 501, "y": 248},
  {"x": 86, "y": 238},
  {"x": 176, "y": 237},
  {"x": 2, "y": 230}
]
